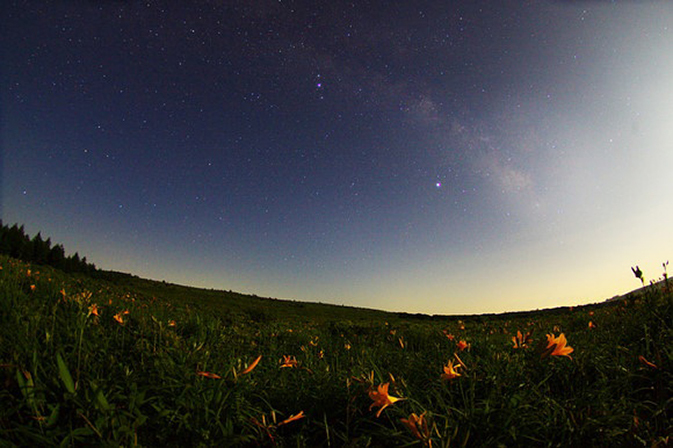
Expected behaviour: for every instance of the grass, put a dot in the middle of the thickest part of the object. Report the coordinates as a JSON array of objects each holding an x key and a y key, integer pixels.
[{"x": 174, "y": 372}]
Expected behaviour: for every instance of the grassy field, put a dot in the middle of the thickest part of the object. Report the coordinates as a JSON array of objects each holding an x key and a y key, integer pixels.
[{"x": 129, "y": 362}]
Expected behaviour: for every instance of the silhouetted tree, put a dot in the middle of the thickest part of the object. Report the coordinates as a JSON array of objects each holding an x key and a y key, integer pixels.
[
  {"x": 57, "y": 256},
  {"x": 17, "y": 244},
  {"x": 4, "y": 239},
  {"x": 40, "y": 249},
  {"x": 15, "y": 239}
]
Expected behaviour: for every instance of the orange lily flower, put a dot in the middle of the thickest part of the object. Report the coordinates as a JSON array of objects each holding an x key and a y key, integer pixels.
[
  {"x": 558, "y": 346},
  {"x": 462, "y": 345},
  {"x": 93, "y": 309},
  {"x": 251, "y": 366},
  {"x": 119, "y": 318},
  {"x": 171, "y": 323},
  {"x": 644, "y": 361},
  {"x": 381, "y": 398},
  {"x": 450, "y": 371},
  {"x": 592, "y": 325},
  {"x": 418, "y": 426},
  {"x": 522, "y": 341},
  {"x": 210, "y": 375},
  {"x": 292, "y": 418},
  {"x": 270, "y": 426},
  {"x": 289, "y": 361},
  {"x": 32, "y": 287}
]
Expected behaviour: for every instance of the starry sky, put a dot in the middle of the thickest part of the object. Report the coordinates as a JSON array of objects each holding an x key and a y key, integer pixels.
[{"x": 444, "y": 157}]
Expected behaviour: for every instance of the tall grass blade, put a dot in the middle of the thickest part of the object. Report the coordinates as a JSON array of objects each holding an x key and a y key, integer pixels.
[{"x": 64, "y": 373}]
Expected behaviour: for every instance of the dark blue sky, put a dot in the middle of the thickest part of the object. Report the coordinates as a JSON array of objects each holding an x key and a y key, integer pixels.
[{"x": 461, "y": 156}]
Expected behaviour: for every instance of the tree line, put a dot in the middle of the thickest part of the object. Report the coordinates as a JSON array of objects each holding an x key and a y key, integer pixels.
[{"x": 17, "y": 244}]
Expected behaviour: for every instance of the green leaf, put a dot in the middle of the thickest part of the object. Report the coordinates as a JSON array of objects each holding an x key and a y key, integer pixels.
[
  {"x": 53, "y": 417},
  {"x": 81, "y": 433},
  {"x": 64, "y": 373},
  {"x": 101, "y": 402},
  {"x": 21, "y": 381},
  {"x": 139, "y": 421},
  {"x": 27, "y": 387}
]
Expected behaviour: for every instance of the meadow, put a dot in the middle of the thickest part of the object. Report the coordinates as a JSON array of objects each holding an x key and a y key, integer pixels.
[{"x": 115, "y": 360}]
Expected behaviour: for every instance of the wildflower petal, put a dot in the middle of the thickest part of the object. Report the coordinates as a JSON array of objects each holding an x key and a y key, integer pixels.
[
  {"x": 382, "y": 398},
  {"x": 289, "y": 361},
  {"x": 647, "y": 363},
  {"x": 252, "y": 366},
  {"x": 557, "y": 346},
  {"x": 292, "y": 418},
  {"x": 450, "y": 371}
]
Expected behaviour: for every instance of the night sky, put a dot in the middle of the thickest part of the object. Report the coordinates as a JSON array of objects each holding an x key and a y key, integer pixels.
[{"x": 422, "y": 156}]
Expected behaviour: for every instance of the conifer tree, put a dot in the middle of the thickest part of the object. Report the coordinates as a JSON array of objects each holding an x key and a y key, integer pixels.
[{"x": 17, "y": 244}]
